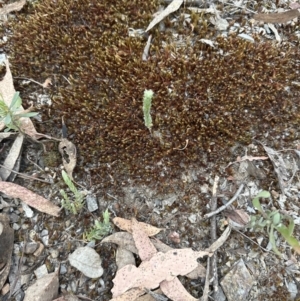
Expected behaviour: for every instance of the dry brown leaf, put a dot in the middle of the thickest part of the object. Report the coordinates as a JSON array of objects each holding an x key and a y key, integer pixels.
[
  {"x": 123, "y": 239},
  {"x": 176, "y": 291},
  {"x": 237, "y": 218},
  {"x": 30, "y": 198},
  {"x": 6, "y": 248},
  {"x": 142, "y": 241},
  {"x": 294, "y": 5},
  {"x": 125, "y": 224},
  {"x": 278, "y": 17},
  {"x": 68, "y": 152},
  {"x": 44, "y": 289},
  {"x": 160, "y": 246},
  {"x": 162, "y": 266},
  {"x": 198, "y": 272},
  {"x": 280, "y": 167},
  {"x": 150, "y": 296},
  {"x": 16, "y": 6},
  {"x": 172, "y": 7},
  {"x": 124, "y": 257},
  {"x": 130, "y": 295},
  {"x": 67, "y": 298},
  {"x": 11, "y": 158}
]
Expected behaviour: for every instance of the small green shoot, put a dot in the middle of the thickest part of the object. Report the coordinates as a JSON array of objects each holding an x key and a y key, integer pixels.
[
  {"x": 10, "y": 115},
  {"x": 74, "y": 206},
  {"x": 147, "y": 101},
  {"x": 273, "y": 220},
  {"x": 100, "y": 229}
]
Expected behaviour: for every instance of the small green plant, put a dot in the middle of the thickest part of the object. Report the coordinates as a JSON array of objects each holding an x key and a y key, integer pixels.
[
  {"x": 100, "y": 229},
  {"x": 74, "y": 206},
  {"x": 274, "y": 221},
  {"x": 11, "y": 115},
  {"x": 147, "y": 101}
]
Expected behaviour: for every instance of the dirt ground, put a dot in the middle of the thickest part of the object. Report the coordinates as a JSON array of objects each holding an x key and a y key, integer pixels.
[{"x": 245, "y": 133}]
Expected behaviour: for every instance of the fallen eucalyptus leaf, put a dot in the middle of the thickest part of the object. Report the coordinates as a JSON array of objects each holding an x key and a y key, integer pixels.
[{"x": 87, "y": 261}]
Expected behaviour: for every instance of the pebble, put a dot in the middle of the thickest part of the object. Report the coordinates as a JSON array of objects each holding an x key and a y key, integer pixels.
[
  {"x": 45, "y": 237},
  {"x": 54, "y": 253},
  {"x": 16, "y": 227},
  {"x": 41, "y": 271},
  {"x": 91, "y": 202},
  {"x": 27, "y": 210},
  {"x": 63, "y": 269},
  {"x": 31, "y": 247}
]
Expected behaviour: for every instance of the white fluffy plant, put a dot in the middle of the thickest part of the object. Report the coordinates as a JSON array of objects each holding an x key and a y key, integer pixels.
[{"x": 147, "y": 101}]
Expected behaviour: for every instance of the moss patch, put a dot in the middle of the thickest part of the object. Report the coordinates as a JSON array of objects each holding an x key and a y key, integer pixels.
[{"x": 210, "y": 98}]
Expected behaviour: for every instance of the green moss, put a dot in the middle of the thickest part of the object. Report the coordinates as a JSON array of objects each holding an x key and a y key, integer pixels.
[{"x": 210, "y": 97}]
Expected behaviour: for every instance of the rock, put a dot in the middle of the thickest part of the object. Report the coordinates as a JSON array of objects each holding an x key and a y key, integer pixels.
[{"x": 237, "y": 283}]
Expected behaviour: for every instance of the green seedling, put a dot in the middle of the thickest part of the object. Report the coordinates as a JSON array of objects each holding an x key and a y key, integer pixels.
[
  {"x": 100, "y": 229},
  {"x": 10, "y": 115},
  {"x": 274, "y": 221},
  {"x": 75, "y": 205},
  {"x": 147, "y": 101}
]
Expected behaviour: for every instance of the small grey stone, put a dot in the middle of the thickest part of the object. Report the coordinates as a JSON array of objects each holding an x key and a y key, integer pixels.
[
  {"x": 91, "y": 202},
  {"x": 41, "y": 271},
  {"x": 31, "y": 247},
  {"x": 54, "y": 253},
  {"x": 14, "y": 217},
  {"x": 16, "y": 227},
  {"x": 45, "y": 237},
  {"x": 63, "y": 269},
  {"x": 192, "y": 218}
]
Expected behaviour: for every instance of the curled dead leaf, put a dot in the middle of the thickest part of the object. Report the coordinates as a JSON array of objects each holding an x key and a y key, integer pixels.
[
  {"x": 68, "y": 152},
  {"x": 126, "y": 225}
]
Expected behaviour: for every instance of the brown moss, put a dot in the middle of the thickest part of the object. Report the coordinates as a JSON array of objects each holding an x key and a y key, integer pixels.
[{"x": 211, "y": 97}]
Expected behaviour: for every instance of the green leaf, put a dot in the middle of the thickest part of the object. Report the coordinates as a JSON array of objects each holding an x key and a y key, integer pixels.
[
  {"x": 257, "y": 205},
  {"x": 16, "y": 102},
  {"x": 263, "y": 194},
  {"x": 272, "y": 241},
  {"x": 7, "y": 120},
  {"x": 276, "y": 218},
  {"x": 106, "y": 216},
  {"x": 29, "y": 114},
  {"x": 69, "y": 182}
]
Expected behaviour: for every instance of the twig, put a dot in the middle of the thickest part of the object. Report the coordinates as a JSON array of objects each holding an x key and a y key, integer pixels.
[
  {"x": 265, "y": 250},
  {"x": 208, "y": 215},
  {"x": 206, "y": 286},
  {"x": 146, "y": 49},
  {"x": 241, "y": 7},
  {"x": 186, "y": 144},
  {"x": 213, "y": 234},
  {"x": 84, "y": 298},
  {"x": 25, "y": 176},
  {"x": 31, "y": 80},
  {"x": 13, "y": 285}
]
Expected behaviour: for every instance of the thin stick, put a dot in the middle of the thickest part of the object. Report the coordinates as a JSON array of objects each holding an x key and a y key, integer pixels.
[
  {"x": 208, "y": 215},
  {"x": 213, "y": 234},
  {"x": 206, "y": 286},
  {"x": 31, "y": 80},
  {"x": 265, "y": 250},
  {"x": 25, "y": 176}
]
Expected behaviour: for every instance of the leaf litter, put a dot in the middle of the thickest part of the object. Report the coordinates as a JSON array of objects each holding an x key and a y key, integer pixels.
[{"x": 158, "y": 269}]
